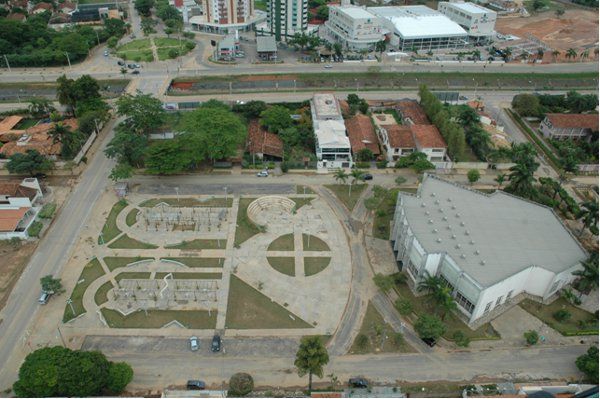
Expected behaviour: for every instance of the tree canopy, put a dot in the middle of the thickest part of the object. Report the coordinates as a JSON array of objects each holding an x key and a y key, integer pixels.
[
  {"x": 588, "y": 364},
  {"x": 143, "y": 112},
  {"x": 31, "y": 162},
  {"x": 240, "y": 384},
  {"x": 430, "y": 327},
  {"x": 276, "y": 118},
  {"x": 61, "y": 372},
  {"x": 311, "y": 357}
]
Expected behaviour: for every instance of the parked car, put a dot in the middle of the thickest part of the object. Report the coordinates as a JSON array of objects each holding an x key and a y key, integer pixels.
[
  {"x": 44, "y": 297},
  {"x": 358, "y": 382},
  {"x": 216, "y": 343},
  {"x": 106, "y": 53},
  {"x": 196, "y": 385},
  {"x": 137, "y": 65},
  {"x": 366, "y": 176},
  {"x": 136, "y": 72},
  {"x": 130, "y": 66},
  {"x": 328, "y": 66},
  {"x": 263, "y": 173},
  {"x": 121, "y": 63},
  {"x": 194, "y": 344}
]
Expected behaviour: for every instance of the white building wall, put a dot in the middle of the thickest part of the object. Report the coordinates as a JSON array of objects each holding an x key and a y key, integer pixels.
[
  {"x": 432, "y": 155},
  {"x": 481, "y": 23},
  {"x": 353, "y": 33}
]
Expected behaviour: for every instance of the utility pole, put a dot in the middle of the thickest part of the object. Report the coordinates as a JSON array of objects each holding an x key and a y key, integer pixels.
[
  {"x": 7, "y": 64},
  {"x": 68, "y": 60},
  {"x": 70, "y": 303},
  {"x": 97, "y": 37}
]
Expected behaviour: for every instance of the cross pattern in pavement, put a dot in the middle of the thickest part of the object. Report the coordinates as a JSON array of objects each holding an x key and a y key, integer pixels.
[{"x": 300, "y": 253}]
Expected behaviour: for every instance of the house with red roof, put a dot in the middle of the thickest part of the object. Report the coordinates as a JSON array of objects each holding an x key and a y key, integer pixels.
[
  {"x": 397, "y": 140},
  {"x": 19, "y": 206},
  {"x": 263, "y": 144},
  {"x": 362, "y": 135},
  {"x": 570, "y": 127},
  {"x": 429, "y": 141},
  {"x": 41, "y": 7}
]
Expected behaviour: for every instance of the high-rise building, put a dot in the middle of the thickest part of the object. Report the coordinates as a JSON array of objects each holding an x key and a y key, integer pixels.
[
  {"x": 225, "y": 16},
  {"x": 287, "y": 17}
]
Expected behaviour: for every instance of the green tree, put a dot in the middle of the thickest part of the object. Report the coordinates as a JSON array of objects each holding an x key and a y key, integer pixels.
[
  {"x": 521, "y": 181},
  {"x": 119, "y": 375},
  {"x": 571, "y": 53},
  {"x": 430, "y": 327},
  {"x": 127, "y": 147},
  {"x": 340, "y": 176},
  {"x": 467, "y": 116},
  {"x": 384, "y": 283},
  {"x": 323, "y": 12},
  {"x": 144, "y": 6},
  {"x": 276, "y": 118},
  {"x": 51, "y": 284},
  {"x": 114, "y": 27},
  {"x": 421, "y": 165},
  {"x": 364, "y": 155},
  {"x": 40, "y": 107},
  {"x": 526, "y": 104},
  {"x": 559, "y": 12},
  {"x": 589, "y": 216},
  {"x": 362, "y": 341},
  {"x": 211, "y": 133},
  {"x": 240, "y": 384},
  {"x": 588, "y": 276},
  {"x": 167, "y": 157},
  {"x": 61, "y": 372},
  {"x": 144, "y": 113},
  {"x": 403, "y": 306},
  {"x": 121, "y": 171},
  {"x": 429, "y": 283},
  {"x": 31, "y": 162},
  {"x": 588, "y": 364},
  {"x": 531, "y": 337},
  {"x": 251, "y": 109},
  {"x": 380, "y": 46},
  {"x": 356, "y": 174},
  {"x": 310, "y": 358},
  {"x": 473, "y": 175},
  {"x": 112, "y": 42},
  {"x": 562, "y": 315},
  {"x": 500, "y": 179}
]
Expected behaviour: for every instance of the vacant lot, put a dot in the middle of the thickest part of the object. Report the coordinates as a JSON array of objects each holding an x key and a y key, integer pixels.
[
  {"x": 576, "y": 29},
  {"x": 196, "y": 319},
  {"x": 15, "y": 256}
]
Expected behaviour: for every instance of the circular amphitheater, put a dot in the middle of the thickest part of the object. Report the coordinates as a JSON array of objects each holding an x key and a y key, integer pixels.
[{"x": 269, "y": 209}]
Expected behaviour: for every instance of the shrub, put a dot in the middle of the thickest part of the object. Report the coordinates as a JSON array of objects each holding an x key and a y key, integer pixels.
[
  {"x": 562, "y": 315},
  {"x": 381, "y": 164},
  {"x": 35, "y": 229},
  {"x": 473, "y": 175},
  {"x": 532, "y": 337},
  {"x": 384, "y": 283},
  {"x": 173, "y": 53},
  {"x": 363, "y": 165},
  {"x": 47, "y": 211},
  {"x": 400, "y": 180},
  {"x": 240, "y": 384},
  {"x": 461, "y": 339},
  {"x": 430, "y": 327},
  {"x": 404, "y": 306},
  {"x": 285, "y": 167},
  {"x": 362, "y": 341},
  {"x": 397, "y": 339},
  {"x": 190, "y": 45}
]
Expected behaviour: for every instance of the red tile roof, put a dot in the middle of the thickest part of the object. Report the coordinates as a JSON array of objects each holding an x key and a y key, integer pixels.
[
  {"x": 586, "y": 121},
  {"x": 16, "y": 16},
  {"x": 10, "y": 218},
  {"x": 42, "y": 6},
  {"x": 39, "y": 139},
  {"x": 9, "y": 122},
  {"x": 412, "y": 110},
  {"x": 15, "y": 189},
  {"x": 261, "y": 141},
  {"x": 361, "y": 134},
  {"x": 428, "y": 136},
  {"x": 400, "y": 136}
]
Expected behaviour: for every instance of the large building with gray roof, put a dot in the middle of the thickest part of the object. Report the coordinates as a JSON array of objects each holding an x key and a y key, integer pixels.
[{"x": 492, "y": 250}]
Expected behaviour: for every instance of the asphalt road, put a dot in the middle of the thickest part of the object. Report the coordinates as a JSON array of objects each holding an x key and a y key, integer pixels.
[
  {"x": 160, "y": 186},
  {"x": 50, "y": 257},
  {"x": 165, "y": 368}
]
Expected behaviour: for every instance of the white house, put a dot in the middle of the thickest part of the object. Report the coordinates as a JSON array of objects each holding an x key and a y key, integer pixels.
[
  {"x": 355, "y": 28},
  {"x": 332, "y": 145},
  {"x": 19, "y": 205},
  {"x": 492, "y": 250},
  {"x": 478, "y": 21}
]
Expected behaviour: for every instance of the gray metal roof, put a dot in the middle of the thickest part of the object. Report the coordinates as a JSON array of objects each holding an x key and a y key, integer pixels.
[
  {"x": 266, "y": 44},
  {"x": 491, "y": 237}
]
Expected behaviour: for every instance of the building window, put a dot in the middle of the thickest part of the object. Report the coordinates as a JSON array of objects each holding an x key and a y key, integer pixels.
[
  {"x": 487, "y": 307},
  {"x": 499, "y": 300},
  {"x": 464, "y": 303},
  {"x": 413, "y": 270}
]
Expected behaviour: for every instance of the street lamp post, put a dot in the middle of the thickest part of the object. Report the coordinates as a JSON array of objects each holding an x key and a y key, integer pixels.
[
  {"x": 70, "y": 303},
  {"x": 177, "y": 192},
  {"x": 68, "y": 60},
  {"x": 7, "y": 64},
  {"x": 225, "y": 188}
]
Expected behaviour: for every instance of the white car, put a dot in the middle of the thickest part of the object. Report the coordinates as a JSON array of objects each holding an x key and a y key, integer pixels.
[
  {"x": 106, "y": 53},
  {"x": 328, "y": 66},
  {"x": 263, "y": 173},
  {"x": 194, "y": 344}
]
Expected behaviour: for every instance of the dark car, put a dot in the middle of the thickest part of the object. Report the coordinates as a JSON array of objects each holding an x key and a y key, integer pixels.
[
  {"x": 195, "y": 385},
  {"x": 122, "y": 63},
  {"x": 366, "y": 176},
  {"x": 136, "y": 72},
  {"x": 40, "y": 175},
  {"x": 130, "y": 66},
  {"x": 358, "y": 382},
  {"x": 216, "y": 344}
]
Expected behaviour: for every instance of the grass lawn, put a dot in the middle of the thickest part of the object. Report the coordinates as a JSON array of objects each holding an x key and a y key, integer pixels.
[
  {"x": 132, "y": 217},
  {"x": 282, "y": 243},
  {"x": 126, "y": 242},
  {"x": 168, "y": 42},
  {"x": 381, "y": 337},
  {"x": 580, "y": 321},
  {"x": 138, "y": 44},
  {"x": 300, "y": 202},
  {"x": 248, "y": 308},
  {"x": 89, "y": 274},
  {"x": 315, "y": 264},
  {"x": 26, "y": 123},
  {"x": 423, "y": 305},
  {"x": 196, "y": 319},
  {"x": 113, "y": 262},
  {"x": 312, "y": 243},
  {"x": 283, "y": 264},
  {"x": 136, "y": 55},
  {"x": 384, "y": 215},
  {"x": 190, "y": 276},
  {"x": 189, "y": 202},
  {"x": 341, "y": 192},
  {"x": 245, "y": 228},
  {"x": 101, "y": 296},
  {"x": 199, "y": 262},
  {"x": 199, "y": 244},
  {"x": 304, "y": 190},
  {"x": 110, "y": 229},
  {"x": 132, "y": 276},
  {"x": 260, "y": 5}
]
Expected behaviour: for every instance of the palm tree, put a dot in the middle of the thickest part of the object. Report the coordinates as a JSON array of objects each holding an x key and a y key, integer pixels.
[
  {"x": 521, "y": 180},
  {"x": 430, "y": 283},
  {"x": 555, "y": 54},
  {"x": 540, "y": 53},
  {"x": 507, "y": 54},
  {"x": 589, "y": 215},
  {"x": 380, "y": 47},
  {"x": 584, "y": 55},
  {"x": 588, "y": 277},
  {"x": 356, "y": 175},
  {"x": 500, "y": 179},
  {"x": 444, "y": 301},
  {"x": 310, "y": 358},
  {"x": 58, "y": 132},
  {"x": 524, "y": 55},
  {"x": 340, "y": 176},
  {"x": 571, "y": 53},
  {"x": 477, "y": 54}
]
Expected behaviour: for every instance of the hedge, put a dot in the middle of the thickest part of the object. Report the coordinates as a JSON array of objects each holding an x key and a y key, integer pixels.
[{"x": 35, "y": 229}]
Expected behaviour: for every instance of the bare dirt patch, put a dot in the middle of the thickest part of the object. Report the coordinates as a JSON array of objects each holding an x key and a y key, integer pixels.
[
  {"x": 14, "y": 259},
  {"x": 576, "y": 29}
]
